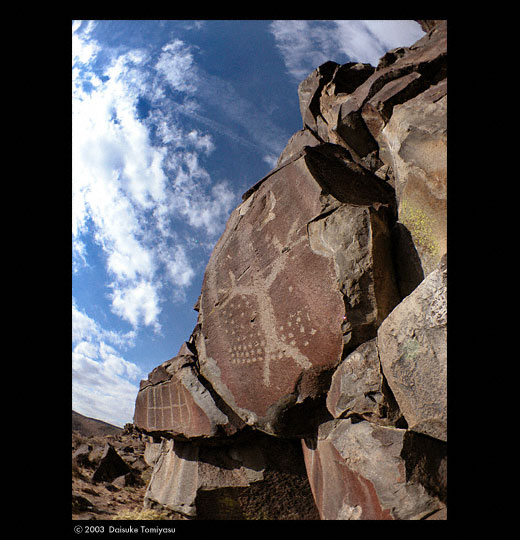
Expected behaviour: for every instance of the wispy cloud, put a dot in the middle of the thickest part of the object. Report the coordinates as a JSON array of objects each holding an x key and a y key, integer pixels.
[
  {"x": 135, "y": 176},
  {"x": 104, "y": 384},
  {"x": 251, "y": 126},
  {"x": 305, "y": 44}
]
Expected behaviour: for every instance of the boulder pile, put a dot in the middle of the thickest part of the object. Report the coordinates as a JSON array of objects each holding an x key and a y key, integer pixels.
[{"x": 314, "y": 383}]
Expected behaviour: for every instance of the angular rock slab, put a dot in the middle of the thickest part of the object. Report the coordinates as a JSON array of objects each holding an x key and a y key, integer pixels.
[
  {"x": 413, "y": 353},
  {"x": 110, "y": 466},
  {"x": 296, "y": 143},
  {"x": 414, "y": 143},
  {"x": 174, "y": 400},
  {"x": 179, "y": 474},
  {"x": 309, "y": 91},
  {"x": 356, "y": 472},
  {"x": 356, "y": 386},
  {"x": 257, "y": 479},
  {"x": 272, "y": 312}
]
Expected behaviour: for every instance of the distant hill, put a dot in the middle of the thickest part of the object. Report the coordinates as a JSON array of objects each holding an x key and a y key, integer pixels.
[{"x": 92, "y": 427}]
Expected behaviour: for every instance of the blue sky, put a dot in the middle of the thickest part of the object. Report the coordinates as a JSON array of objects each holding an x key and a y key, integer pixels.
[{"x": 172, "y": 121}]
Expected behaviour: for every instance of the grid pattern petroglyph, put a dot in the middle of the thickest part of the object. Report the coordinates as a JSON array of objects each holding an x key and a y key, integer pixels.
[{"x": 167, "y": 407}]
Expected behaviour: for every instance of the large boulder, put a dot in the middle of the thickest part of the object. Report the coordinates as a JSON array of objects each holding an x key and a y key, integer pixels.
[
  {"x": 300, "y": 277},
  {"x": 413, "y": 351},
  {"x": 360, "y": 471},
  {"x": 174, "y": 400}
]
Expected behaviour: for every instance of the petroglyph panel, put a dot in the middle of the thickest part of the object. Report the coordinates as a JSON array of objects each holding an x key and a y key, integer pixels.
[
  {"x": 269, "y": 307},
  {"x": 170, "y": 407},
  {"x": 273, "y": 309},
  {"x": 308, "y": 315}
]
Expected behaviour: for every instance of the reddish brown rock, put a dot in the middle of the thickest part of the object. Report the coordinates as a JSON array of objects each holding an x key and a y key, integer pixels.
[
  {"x": 283, "y": 294},
  {"x": 297, "y": 143},
  {"x": 377, "y": 111},
  {"x": 358, "y": 471},
  {"x": 174, "y": 400},
  {"x": 429, "y": 24}
]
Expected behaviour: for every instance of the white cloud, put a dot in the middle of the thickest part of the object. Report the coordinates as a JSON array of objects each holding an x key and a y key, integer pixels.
[
  {"x": 85, "y": 328},
  {"x": 128, "y": 191},
  {"x": 368, "y": 40},
  {"x": 177, "y": 266},
  {"x": 83, "y": 49},
  {"x": 271, "y": 160},
  {"x": 137, "y": 303},
  {"x": 176, "y": 64},
  {"x": 203, "y": 213},
  {"x": 305, "y": 44},
  {"x": 104, "y": 384}
]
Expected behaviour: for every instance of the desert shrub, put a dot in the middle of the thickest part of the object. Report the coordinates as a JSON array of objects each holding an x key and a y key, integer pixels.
[{"x": 139, "y": 514}]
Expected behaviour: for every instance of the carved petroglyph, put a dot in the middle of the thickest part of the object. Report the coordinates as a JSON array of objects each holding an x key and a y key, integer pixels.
[
  {"x": 167, "y": 407},
  {"x": 248, "y": 318},
  {"x": 268, "y": 310},
  {"x": 268, "y": 214},
  {"x": 246, "y": 310}
]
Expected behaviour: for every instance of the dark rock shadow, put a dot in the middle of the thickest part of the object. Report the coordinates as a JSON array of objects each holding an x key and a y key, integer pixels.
[{"x": 407, "y": 264}]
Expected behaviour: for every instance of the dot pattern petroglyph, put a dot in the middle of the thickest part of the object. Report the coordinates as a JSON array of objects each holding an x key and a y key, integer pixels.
[
  {"x": 261, "y": 313},
  {"x": 248, "y": 317}
]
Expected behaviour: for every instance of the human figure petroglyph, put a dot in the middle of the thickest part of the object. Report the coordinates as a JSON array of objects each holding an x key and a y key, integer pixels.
[{"x": 236, "y": 301}]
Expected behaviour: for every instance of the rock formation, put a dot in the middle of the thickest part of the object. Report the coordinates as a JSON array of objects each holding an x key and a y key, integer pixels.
[
  {"x": 109, "y": 472},
  {"x": 314, "y": 383}
]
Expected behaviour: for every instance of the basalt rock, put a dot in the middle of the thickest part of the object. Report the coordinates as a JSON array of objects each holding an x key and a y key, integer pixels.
[
  {"x": 259, "y": 478},
  {"x": 110, "y": 466},
  {"x": 413, "y": 350},
  {"x": 394, "y": 118},
  {"x": 414, "y": 144},
  {"x": 357, "y": 387},
  {"x": 174, "y": 400},
  {"x": 322, "y": 317},
  {"x": 358, "y": 471},
  {"x": 301, "y": 275}
]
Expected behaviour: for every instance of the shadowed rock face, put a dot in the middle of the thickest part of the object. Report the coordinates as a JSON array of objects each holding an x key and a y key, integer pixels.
[
  {"x": 357, "y": 471},
  {"x": 260, "y": 478},
  {"x": 280, "y": 300}
]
